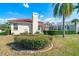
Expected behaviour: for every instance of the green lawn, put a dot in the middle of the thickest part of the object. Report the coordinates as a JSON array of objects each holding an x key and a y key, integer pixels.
[{"x": 67, "y": 46}]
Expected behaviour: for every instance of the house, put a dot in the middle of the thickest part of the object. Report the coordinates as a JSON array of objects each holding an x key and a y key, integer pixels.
[
  {"x": 68, "y": 26},
  {"x": 48, "y": 26},
  {"x": 33, "y": 26},
  {"x": 59, "y": 26}
]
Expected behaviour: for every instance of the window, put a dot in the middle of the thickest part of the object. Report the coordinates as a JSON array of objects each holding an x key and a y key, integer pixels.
[
  {"x": 38, "y": 28},
  {"x": 49, "y": 28},
  {"x": 15, "y": 27},
  {"x": 68, "y": 27}
]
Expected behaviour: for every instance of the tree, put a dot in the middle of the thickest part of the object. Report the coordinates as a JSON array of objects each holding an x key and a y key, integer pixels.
[
  {"x": 63, "y": 10},
  {"x": 77, "y": 7},
  {"x": 75, "y": 21},
  {"x": 5, "y": 27}
]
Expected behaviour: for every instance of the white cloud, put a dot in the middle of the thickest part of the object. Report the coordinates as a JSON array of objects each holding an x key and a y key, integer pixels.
[
  {"x": 26, "y": 5},
  {"x": 10, "y": 18},
  {"x": 1, "y": 21},
  {"x": 4, "y": 20},
  {"x": 51, "y": 19},
  {"x": 41, "y": 16},
  {"x": 13, "y": 13},
  {"x": 48, "y": 20},
  {"x": 39, "y": 19}
]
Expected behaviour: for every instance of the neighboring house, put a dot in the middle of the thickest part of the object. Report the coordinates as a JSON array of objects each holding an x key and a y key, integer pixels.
[
  {"x": 49, "y": 26},
  {"x": 68, "y": 26},
  {"x": 33, "y": 26},
  {"x": 59, "y": 26}
]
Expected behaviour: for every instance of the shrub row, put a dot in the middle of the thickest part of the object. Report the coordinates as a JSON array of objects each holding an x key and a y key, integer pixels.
[
  {"x": 58, "y": 32},
  {"x": 33, "y": 42},
  {"x": 5, "y": 32}
]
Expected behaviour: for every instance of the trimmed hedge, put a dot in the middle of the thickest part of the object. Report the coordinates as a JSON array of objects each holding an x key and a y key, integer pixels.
[
  {"x": 70, "y": 32},
  {"x": 5, "y": 33},
  {"x": 58, "y": 32},
  {"x": 33, "y": 42}
]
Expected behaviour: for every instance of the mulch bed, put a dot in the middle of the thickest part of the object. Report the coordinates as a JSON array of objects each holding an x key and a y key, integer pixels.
[{"x": 19, "y": 47}]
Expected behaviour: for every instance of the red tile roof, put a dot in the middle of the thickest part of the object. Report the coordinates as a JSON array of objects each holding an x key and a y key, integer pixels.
[
  {"x": 20, "y": 20},
  {"x": 25, "y": 20}
]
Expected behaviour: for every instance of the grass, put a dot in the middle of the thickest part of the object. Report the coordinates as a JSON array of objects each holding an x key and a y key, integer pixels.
[{"x": 68, "y": 46}]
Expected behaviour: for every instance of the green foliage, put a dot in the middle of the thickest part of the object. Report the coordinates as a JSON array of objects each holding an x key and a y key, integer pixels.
[
  {"x": 70, "y": 32},
  {"x": 5, "y": 32},
  {"x": 6, "y": 28},
  {"x": 58, "y": 32},
  {"x": 33, "y": 42},
  {"x": 63, "y": 9},
  {"x": 75, "y": 21},
  {"x": 77, "y": 7}
]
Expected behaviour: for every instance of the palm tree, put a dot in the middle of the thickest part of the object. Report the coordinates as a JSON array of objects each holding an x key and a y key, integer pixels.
[
  {"x": 63, "y": 10},
  {"x": 75, "y": 21},
  {"x": 77, "y": 7}
]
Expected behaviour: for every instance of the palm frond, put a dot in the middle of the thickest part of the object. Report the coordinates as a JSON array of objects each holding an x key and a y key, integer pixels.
[
  {"x": 75, "y": 20},
  {"x": 56, "y": 8},
  {"x": 77, "y": 7},
  {"x": 60, "y": 12},
  {"x": 67, "y": 9},
  {"x": 63, "y": 9}
]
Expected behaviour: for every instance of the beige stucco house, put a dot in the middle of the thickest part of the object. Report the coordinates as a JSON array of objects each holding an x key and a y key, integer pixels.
[{"x": 33, "y": 26}]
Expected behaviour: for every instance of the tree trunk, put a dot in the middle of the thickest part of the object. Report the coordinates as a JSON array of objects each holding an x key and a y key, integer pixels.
[
  {"x": 75, "y": 28},
  {"x": 63, "y": 26}
]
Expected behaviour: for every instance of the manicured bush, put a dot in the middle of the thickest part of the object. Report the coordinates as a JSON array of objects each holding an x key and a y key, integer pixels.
[
  {"x": 5, "y": 32},
  {"x": 70, "y": 32},
  {"x": 58, "y": 32},
  {"x": 33, "y": 42},
  {"x": 53, "y": 32}
]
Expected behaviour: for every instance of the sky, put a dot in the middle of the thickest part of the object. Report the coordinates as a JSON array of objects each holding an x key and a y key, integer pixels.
[
  {"x": 20, "y": 10},
  {"x": 9, "y": 11}
]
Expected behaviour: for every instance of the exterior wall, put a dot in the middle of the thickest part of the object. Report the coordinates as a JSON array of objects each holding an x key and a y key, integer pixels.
[
  {"x": 68, "y": 26},
  {"x": 22, "y": 28},
  {"x": 27, "y": 26},
  {"x": 77, "y": 27},
  {"x": 35, "y": 23},
  {"x": 40, "y": 29},
  {"x": 48, "y": 26}
]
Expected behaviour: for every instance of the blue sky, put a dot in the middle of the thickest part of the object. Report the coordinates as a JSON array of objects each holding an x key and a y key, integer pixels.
[{"x": 19, "y": 10}]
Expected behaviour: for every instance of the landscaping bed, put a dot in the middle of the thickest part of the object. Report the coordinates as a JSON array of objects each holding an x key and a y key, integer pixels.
[
  {"x": 33, "y": 42},
  {"x": 68, "y": 46}
]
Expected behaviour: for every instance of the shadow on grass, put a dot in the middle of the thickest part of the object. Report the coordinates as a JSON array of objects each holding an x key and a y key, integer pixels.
[{"x": 17, "y": 46}]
